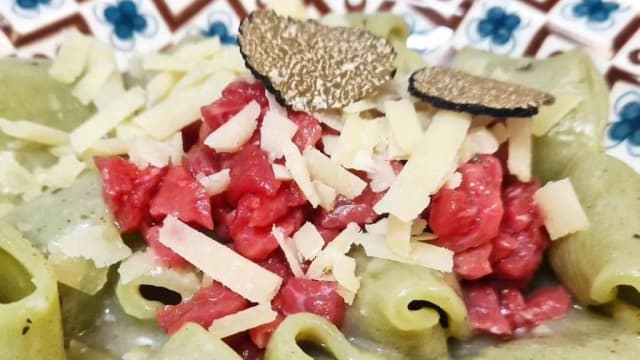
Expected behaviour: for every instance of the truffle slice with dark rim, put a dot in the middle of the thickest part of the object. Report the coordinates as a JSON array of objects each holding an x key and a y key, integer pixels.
[
  {"x": 459, "y": 91},
  {"x": 309, "y": 66}
]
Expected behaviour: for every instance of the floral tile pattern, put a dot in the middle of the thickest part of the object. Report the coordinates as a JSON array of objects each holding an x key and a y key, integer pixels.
[{"x": 608, "y": 29}]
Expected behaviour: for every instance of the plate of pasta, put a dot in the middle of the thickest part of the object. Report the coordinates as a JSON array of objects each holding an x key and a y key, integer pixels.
[{"x": 315, "y": 187}]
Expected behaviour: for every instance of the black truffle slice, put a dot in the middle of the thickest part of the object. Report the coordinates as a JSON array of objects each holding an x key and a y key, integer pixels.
[
  {"x": 309, "y": 66},
  {"x": 459, "y": 91}
]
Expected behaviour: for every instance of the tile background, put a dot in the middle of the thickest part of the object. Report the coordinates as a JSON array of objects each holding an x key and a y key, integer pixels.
[{"x": 608, "y": 29}]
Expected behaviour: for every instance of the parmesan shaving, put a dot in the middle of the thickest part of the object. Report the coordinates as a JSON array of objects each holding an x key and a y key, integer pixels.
[
  {"x": 159, "y": 87},
  {"x": 418, "y": 225},
  {"x": 288, "y": 250},
  {"x": 380, "y": 227},
  {"x": 167, "y": 62},
  {"x": 201, "y": 49},
  {"x": 326, "y": 194},
  {"x": 330, "y": 144},
  {"x": 105, "y": 120},
  {"x": 144, "y": 151},
  {"x": 99, "y": 243},
  {"x": 15, "y": 179},
  {"x": 344, "y": 271},
  {"x": 242, "y": 320},
  {"x": 339, "y": 246},
  {"x": 275, "y": 132},
  {"x": 292, "y": 8},
  {"x": 232, "y": 135},
  {"x": 294, "y": 162},
  {"x": 398, "y": 236},
  {"x": 520, "y": 148},
  {"x": 331, "y": 119},
  {"x": 30, "y": 131},
  {"x": 548, "y": 116},
  {"x": 427, "y": 168},
  {"x": 216, "y": 183},
  {"x": 421, "y": 254},
  {"x": 108, "y": 147},
  {"x": 454, "y": 181},
  {"x": 281, "y": 172},
  {"x": 90, "y": 84},
  {"x": 382, "y": 175},
  {"x": 404, "y": 126},
  {"x": 308, "y": 241},
  {"x": 332, "y": 174},
  {"x": 170, "y": 115},
  {"x": 239, "y": 274},
  {"x": 113, "y": 88},
  {"x": 357, "y": 140},
  {"x": 72, "y": 57},
  {"x": 478, "y": 141},
  {"x": 561, "y": 209}
]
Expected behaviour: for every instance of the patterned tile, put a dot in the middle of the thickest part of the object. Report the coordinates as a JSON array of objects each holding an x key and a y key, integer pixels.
[
  {"x": 503, "y": 27},
  {"x": 27, "y": 16},
  {"x": 623, "y": 131},
  {"x": 628, "y": 57}
]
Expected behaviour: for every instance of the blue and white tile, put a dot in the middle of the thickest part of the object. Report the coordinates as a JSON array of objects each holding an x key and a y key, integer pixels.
[
  {"x": 216, "y": 20},
  {"x": 595, "y": 23},
  {"x": 429, "y": 39},
  {"x": 177, "y": 6},
  {"x": 444, "y": 7},
  {"x": 623, "y": 131},
  {"x": 499, "y": 26},
  {"x": 628, "y": 58},
  {"x": 554, "y": 43},
  {"x": 26, "y": 16},
  {"x": 131, "y": 26}
]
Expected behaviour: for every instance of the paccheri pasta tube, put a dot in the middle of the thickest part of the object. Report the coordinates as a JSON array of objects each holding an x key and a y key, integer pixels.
[{"x": 30, "y": 326}]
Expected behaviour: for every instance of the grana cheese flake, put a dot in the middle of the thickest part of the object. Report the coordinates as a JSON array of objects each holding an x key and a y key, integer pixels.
[
  {"x": 201, "y": 49},
  {"x": 332, "y": 174},
  {"x": 242, "y": 320},
  {"x": 418, "y": 226},
  {"x": 232, "y": 135},
  {"x": 454, "y": 181},
  {"x": 344, "y": 271},
  {"x": 330, "y": 118},
  {"x": 167, "y": 62},
  {"x": 15, "y": 179},
  {"x": 380, "y": 227},
  {"x": 88, "y": 87},
  {"x": 215, "y": 183},
  {"x": 106, "y": 120},
  {"x": 224, "y": 265},
  {"x": 144, "y": 151},
  {"x": 159, "y": 87},
  {"x": 291, "y": 8},
  {"x": 294, "y": 162},
  {"x": 326, "y": 194},
  {"x": 330, "y": 144},
  {"x": 478, "y": 141},
  {"x": 281, "y": 172},
  {"x": 323, "y": 263},
  {"x": 398, "y": 236},
  {"x": 404, "y": 126},
  {"x": 381, "y": 175},
  {"x": 308, "y": 241},
  {"x": 276, "y": 130},
  {"x": 357, "y": 140},
  {"x": 288, "y": 250},
  {"x": 100, "y": 243},
  {"x": 113, "y": 88},
  {"x": 170, "y": 115},
  {"x": 37, "y": 133},
  {"x": 72, "y": 57},
  {"x": 108, "y": 147},
  {"x": 421, "y": 254},
  {"x": 359, "y": 106},
  {"x": 427, "y": 168},
  {"x": 561, "y": 209},
  {"x": 520, "y": 148}
]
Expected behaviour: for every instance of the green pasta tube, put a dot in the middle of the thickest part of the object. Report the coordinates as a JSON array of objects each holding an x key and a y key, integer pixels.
[
  {"x": 30, "y": 326},
  {"x": 305, "y": 328},
  {"x": 595, "y": 262},
  {"x": 410, "y": 309},
  {"x": 62, "y": 224},
  {"x": 141, "y": 269},
  {"x": 192, "y": 342}
]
